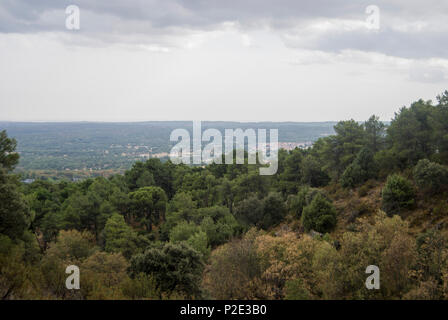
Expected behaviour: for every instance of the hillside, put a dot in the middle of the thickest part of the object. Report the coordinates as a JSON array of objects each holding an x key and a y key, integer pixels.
[{"x": 368, "y": 196}]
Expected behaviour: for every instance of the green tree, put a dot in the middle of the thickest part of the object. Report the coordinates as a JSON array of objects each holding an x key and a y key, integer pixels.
[
  {"x": 274, "y": 209},
  {"x": 375, "y": 133},
  {"x": 15, "y": 216},
  {"x": 149, "y": 205},
  {"x": 14, "y": 212},
  {"x": 410, "y": 134},
  {"x": 175, "y": 267},
  {"x": 219, "y": 224},
  {"x": 296, "y": 203},
  {"x": 8, "y": 157},
  {"x": 439, "y": 123},
  {"x": 319, "y": 215},
  {"x": 191, "y": 234},
  {"x": 292, "y": 175},
  {"x": 247, "y": 184},
  {"x": 180, "y": 208},
  {"x": 199, "y": 242},
  {"x": 430, "y": 177},
  {"x": 313, "y": 175},
  {"x": 250, "y": 211},
  {"x": 398, "y": 193},
  {"x": 338, "y": 151},
  {"x": 363, "y": 168},
  {"x": 119, "y": 237},
  {"x": 183, "y": 231}
]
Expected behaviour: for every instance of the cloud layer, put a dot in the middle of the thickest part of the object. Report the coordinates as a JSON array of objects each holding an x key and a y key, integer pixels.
[
  {"x": 252, "y": 60},
  {"x": 408, "y": 28}
]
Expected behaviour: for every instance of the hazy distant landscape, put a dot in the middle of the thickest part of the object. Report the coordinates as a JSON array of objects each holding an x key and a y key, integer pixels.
[
  {"x": 319, "y": 170},
  {"x": 79, "y": 149}
]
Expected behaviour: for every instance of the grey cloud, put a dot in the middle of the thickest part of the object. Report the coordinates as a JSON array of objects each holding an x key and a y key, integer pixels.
[
  {"x": 389, "y": 42},
  {"x": 115, "y": 20}
]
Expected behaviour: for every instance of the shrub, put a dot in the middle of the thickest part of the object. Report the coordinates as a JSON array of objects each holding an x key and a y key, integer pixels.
[
  {"x": 319, "y": 215},
  {"x": 398, "y": 194},
  {"x": 234, "y": 270},
  {"x": 363, "y": 191},
  {"x": 142, "y": 286},
  {"x": 430, "y": 177}
]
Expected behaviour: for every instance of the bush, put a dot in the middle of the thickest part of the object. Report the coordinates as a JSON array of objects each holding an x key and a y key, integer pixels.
[
  {"x": 430, "y": 177},
  {"x": 319, "y": 215},
  {"x": 142, "y": 286},
  {"x": 398, "y": 194},
  {"x": 234, "y": 270},
  {"x": 363, "y": 191}
]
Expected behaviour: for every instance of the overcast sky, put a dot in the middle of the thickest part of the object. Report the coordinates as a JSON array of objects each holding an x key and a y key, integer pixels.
[{"x": 240, "y": 60}]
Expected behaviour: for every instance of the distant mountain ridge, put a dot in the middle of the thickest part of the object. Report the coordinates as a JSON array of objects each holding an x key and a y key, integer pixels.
[{"x": 116, "y": 145}]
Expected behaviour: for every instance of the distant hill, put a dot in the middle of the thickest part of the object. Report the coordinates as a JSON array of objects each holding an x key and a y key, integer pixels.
[{"x": 115, "y": 146}]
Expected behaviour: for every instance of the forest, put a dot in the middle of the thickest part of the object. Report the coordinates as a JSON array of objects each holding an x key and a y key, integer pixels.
[{"x": 370, "y": 194}]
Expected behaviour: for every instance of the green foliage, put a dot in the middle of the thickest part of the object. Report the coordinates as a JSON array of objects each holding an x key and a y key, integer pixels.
[
  {"x": 295, "y": 290},
  {"x": 15, "y": 216},
  {"x": 142, "y": 286},
  {"x": 410, "y": 134},
  {"x": 292, "y": 174},
  {"x": 102, "y": 276},
  {"x": 360, "y": 170},
  {"x": 220, "y": 231},
  {"x": 72, "y": 246},
  {"x": 296, "y": 203},
  {"x": 274, "y": 210},
  {"x": 8, "y": 157},
  {"x": 375, "y": 134},
  {"x": 149, "y": 205},
  {"x": 250, "y": 211},
  {"x": 183, "y": 231},
  {"x": 247, "y": 184},
  {"x": 339, "y": 151},
  {"x": 430, "y": 177},
  {"x": 202, "y": 186},
  {"x": 313, "y": 174},
  {"x": 106, "y": 224},
  {"x": 119, "y": 237},
  {"x": 432, "y": 248},
  {"x": 180, "y": 208},
  {"x": 319, "y": 215},
  {"x": 398, "y": 193},
  {"x": 14, "y": 212},
  {"x": 17, "y": 275},
  {"x": 173, "y": 267},
  {"x": 152, "y": 172},
  {"x": 199, "y": 242}
]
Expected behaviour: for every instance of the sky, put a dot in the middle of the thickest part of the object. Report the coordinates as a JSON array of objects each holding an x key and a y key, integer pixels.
[{"x": 233, "y": 60}]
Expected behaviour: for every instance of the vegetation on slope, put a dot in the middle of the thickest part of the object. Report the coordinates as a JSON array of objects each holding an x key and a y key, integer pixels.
[{"x": 367, "y": 195}]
